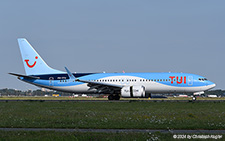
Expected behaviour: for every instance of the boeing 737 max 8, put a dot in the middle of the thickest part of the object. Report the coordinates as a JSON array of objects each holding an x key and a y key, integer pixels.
[{"x": 116, "y": 84}]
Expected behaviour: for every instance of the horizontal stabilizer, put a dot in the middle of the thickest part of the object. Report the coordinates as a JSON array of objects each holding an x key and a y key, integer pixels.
[{"x": 25, "y": 76}]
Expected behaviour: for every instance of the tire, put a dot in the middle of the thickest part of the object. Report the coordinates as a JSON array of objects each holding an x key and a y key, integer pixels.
[
  {"x": 117, "y": 97},
  {"x": 194, "y": 98},
  {"x": 110, "y": 97}
]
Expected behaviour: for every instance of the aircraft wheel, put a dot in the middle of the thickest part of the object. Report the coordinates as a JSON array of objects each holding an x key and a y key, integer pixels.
[
  {"x": 113, "y": 97},
  {"x": 110, "y": 97},
  {"x": 117, "y": 97},
  {"x": 194, "y": 98}
]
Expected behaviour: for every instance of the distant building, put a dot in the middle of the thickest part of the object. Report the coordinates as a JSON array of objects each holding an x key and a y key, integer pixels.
[
  {"x": 84, "y": 95},
  {"x": 75, "y": 95},
  {"x": 212, "y": 96},
  {"x": 183, "y": 95},
  {"x": 45, "y": 90}
]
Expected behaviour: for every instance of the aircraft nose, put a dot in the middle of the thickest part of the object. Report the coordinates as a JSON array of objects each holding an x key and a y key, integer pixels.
[{"x": 213, "y": 85}]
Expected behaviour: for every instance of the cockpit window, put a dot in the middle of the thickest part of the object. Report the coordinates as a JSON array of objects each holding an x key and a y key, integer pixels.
[{"x": 202, "y": 79}]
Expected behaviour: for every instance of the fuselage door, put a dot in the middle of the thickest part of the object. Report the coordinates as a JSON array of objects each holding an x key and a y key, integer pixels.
[
  {"x": 51, "y": 79},
  {"x": 190, "y": 80}
]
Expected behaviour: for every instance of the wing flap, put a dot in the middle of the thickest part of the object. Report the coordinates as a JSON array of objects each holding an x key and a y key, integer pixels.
[{"x": 93, "y": 83}]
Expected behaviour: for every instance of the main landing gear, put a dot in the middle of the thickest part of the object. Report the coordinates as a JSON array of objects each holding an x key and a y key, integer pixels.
[{"x": 114, "y": 97}]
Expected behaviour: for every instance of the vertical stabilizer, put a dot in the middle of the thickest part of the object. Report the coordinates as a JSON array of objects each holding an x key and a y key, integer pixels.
[{"x": 32, "y": 61}]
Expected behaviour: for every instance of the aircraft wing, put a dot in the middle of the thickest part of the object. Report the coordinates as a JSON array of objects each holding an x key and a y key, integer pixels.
[{"x": 102, "y": 87}]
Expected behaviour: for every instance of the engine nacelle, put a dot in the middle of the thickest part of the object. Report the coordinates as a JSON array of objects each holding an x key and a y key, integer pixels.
[{"x": 133, "y": 91}]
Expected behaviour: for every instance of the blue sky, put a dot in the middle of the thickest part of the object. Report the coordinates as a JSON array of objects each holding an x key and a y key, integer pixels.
[{"x": 112, "y": 36}]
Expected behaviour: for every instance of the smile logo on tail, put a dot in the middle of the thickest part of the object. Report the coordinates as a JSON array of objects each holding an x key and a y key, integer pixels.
[{"x": 31, "y": 66}]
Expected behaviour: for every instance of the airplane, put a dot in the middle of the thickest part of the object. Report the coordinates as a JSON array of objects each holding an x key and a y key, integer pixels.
[{"x": 126, "y": 85}]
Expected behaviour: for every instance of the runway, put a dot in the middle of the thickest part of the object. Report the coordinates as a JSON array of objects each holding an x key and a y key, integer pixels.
[{"x": 118, "y": 130}]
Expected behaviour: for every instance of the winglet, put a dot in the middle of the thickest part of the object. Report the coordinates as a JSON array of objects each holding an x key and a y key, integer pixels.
[{"x": 71, "y": 76}]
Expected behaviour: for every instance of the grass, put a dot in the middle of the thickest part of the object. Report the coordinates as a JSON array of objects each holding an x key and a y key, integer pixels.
[
  {"x": 51, "y": 135},
  {"x": 138, "y": 115},
  {"x": 84, "y": 98}
]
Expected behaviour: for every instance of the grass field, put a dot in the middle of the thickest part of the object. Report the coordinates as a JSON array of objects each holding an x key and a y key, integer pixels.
[
  {"x": 139, "y": 115},
  {"x": 51, "y": 135},
  {"x": 84, "y": 98}
]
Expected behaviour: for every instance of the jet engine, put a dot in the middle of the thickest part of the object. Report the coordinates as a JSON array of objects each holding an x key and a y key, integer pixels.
[{"x": 133, "y": 91}]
